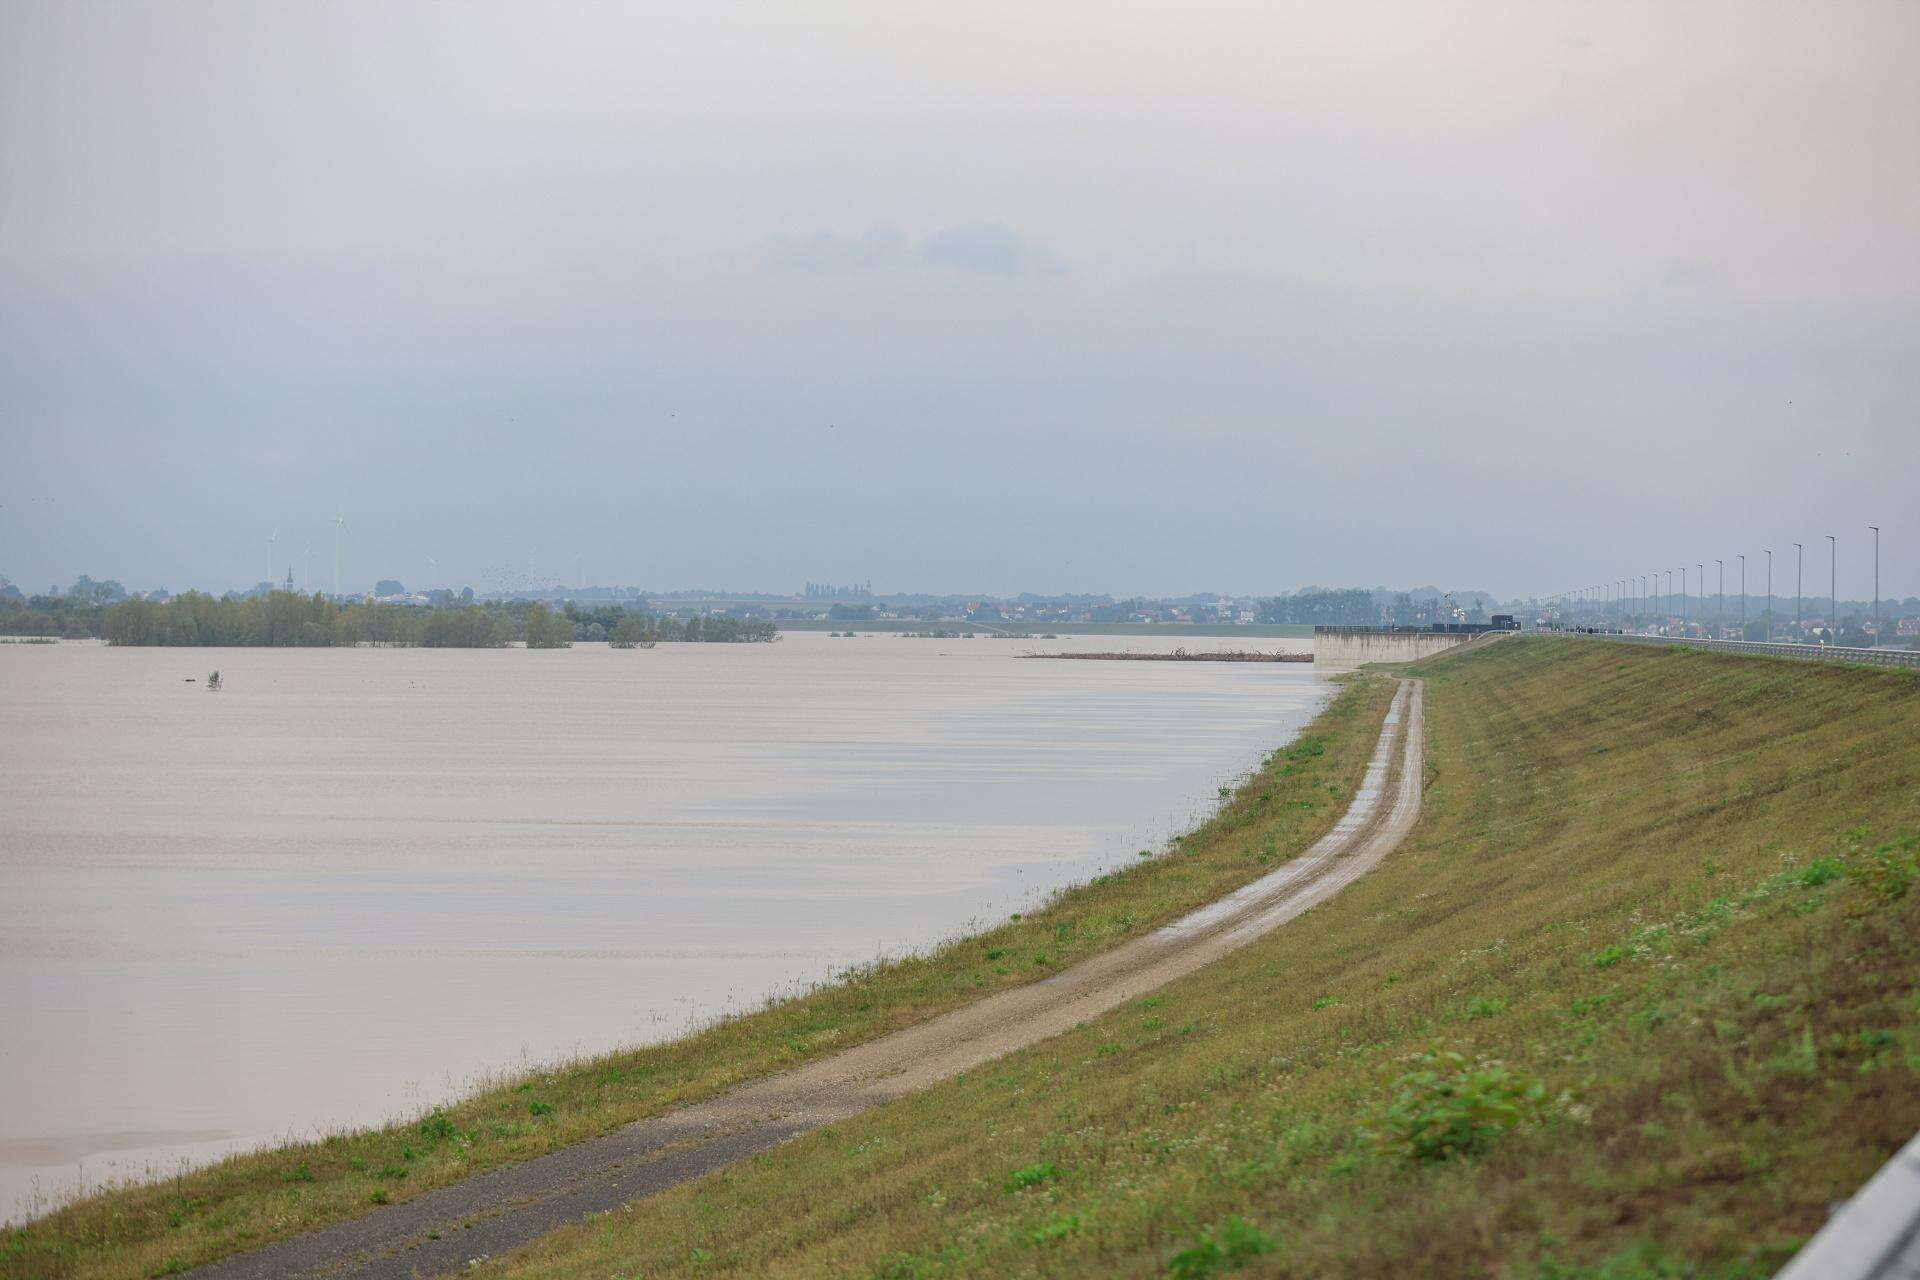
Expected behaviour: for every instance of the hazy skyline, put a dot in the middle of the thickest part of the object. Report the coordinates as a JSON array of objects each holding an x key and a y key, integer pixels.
[{"x": 1092, "y": 298}]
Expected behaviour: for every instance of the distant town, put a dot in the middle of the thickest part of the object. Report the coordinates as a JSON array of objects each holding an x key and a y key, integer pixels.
[{"x": 80, "y": 610}]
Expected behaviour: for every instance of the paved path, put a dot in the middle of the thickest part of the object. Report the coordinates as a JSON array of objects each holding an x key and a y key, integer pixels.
[{"x": 445, "y": 1229}]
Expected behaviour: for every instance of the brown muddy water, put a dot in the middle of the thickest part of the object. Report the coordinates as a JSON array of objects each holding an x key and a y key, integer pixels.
[{"x": 356, "y": 882}]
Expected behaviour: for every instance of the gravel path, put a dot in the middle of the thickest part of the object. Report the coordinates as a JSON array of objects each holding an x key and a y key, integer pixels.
[{"x": 446, "y": 1229}]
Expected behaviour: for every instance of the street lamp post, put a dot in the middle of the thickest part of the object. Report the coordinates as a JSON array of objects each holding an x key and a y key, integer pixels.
[
  {"x": 1743, "y": 597},
  {"x": 1685, "y": 622},
  {"x": 1769, "y": 597},
  {"x": 1720, "y": 599},
  {"x": 1833, "y": 582},
  {"x": 1799, "y": 570},
  {"x": 1703, "y": 594},
  {"x": 1876, "y": 584}
]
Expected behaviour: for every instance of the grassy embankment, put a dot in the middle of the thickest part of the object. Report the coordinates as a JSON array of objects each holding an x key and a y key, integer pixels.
[
  {"x": 1661, "y": 906},
  {"x": 248, "y": 1201}
]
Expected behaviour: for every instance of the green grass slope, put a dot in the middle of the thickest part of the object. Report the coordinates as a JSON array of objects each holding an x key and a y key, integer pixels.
[
  {"x": 1637, "y": 999},
  {"x": 165, "y": 1227}
]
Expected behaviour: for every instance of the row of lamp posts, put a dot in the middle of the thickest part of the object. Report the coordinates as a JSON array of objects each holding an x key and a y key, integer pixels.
[{"x": 1613, "y": 595}]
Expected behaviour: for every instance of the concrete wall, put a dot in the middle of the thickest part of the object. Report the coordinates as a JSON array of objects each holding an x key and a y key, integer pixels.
[{"x": 1345, "y": 650}]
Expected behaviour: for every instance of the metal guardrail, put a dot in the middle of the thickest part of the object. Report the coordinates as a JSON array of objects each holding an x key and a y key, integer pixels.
[
  {"x": 1760, "y": 648},
  {"x": 1873, "y": 1236},
  {"x": 1450, "y": 629}
]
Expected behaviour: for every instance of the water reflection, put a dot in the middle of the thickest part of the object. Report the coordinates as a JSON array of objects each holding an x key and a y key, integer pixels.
[{"x": 355, "y": 882}]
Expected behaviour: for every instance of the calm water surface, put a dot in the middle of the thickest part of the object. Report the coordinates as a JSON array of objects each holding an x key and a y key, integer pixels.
[{"x": 357, "y": 882}]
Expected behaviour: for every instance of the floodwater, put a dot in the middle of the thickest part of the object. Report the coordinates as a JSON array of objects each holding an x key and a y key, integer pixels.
[{"x": 357, "y": 882}]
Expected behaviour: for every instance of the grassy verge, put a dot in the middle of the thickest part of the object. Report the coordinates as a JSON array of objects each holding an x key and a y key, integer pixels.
[
  {"x": 250, "y": 1200},
  {"x": 1637, "y": 1000}
]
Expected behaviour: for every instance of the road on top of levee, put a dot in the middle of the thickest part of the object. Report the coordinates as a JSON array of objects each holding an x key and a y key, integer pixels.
[{"x": 446, "y": 1230}]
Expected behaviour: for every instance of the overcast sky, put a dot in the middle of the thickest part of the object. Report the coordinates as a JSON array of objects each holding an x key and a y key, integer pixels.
[{"x": 986, "y": 296}]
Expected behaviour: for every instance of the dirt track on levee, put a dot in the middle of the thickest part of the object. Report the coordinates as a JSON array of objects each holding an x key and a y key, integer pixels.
[{"x": 446, "y": 1229}]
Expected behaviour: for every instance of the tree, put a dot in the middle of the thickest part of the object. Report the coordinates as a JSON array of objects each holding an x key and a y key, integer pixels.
[
  {"x": 548, "y": 630},
  {"x": 87, "y": 591},
  {"x": 632, "y": 629}
]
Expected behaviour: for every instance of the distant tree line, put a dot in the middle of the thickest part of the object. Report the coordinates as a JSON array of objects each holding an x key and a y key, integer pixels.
[
  {"x": 289, "y": 619},
  {"x": 1351, "y": 607},
  {"x": 73, "y": 616},
  {"x": 624, "y": 626}
]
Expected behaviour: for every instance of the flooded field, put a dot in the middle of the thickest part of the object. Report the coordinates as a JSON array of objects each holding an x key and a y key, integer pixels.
[{"x": 355, "y": 882}]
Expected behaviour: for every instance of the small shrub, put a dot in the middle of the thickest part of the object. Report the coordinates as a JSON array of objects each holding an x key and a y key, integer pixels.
[
  {"x": 1889, "y": 870},
  {"x": 1486, "y": 1007},
  {"x": 437, "y": 1126},
  {"x": 1032, "y": 1176},
  {"x": 1063, "y": 1225},
  {"x": 1607, "y": 957},
  {"x": 1821, "y": 871},
  {"x": 1226, "y": 1246},
  {"x": 1451, "y": 1107},
  {"x": 539, "y": 1108}
]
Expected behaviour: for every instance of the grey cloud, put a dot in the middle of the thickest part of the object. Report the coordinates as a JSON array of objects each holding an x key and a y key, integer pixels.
[
  {"x": 994, "y": 250},
  {"x": 984, "y": 248},
  {"x": 950, "y": 298},
  {"x": 823, "y": 252}
]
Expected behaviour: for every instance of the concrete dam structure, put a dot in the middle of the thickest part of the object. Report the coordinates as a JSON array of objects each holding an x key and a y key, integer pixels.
[{"x": 1344, "y": 648}]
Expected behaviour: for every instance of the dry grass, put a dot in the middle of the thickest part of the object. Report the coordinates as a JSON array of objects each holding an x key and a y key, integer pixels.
[
  {"x": 1643, "y": 906},
  {"x": 251, "y": 1200}
]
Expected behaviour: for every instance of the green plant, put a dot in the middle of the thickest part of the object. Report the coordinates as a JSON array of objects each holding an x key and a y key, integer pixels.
[
  {"x": 1031, "y": 1176},
  {"x": 1452, "y": 1107},
  {"x": 1888, "y": 870},
  {"x": 1054, "y": 1228},
  {"x": 437, "y": 1125},
  {"x": 539, "y": 1108},
  {"x": 1225, "y": 1246},
  {"x": 1821, "y": 871}
]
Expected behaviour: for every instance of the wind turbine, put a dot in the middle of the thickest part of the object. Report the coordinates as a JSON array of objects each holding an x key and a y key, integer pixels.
[
  {"x": 433, "y": 572},
  {"x": 339, "y": 523},
  {"x": 271, "y": 539},
  {"x": 306, "y": 573}
]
